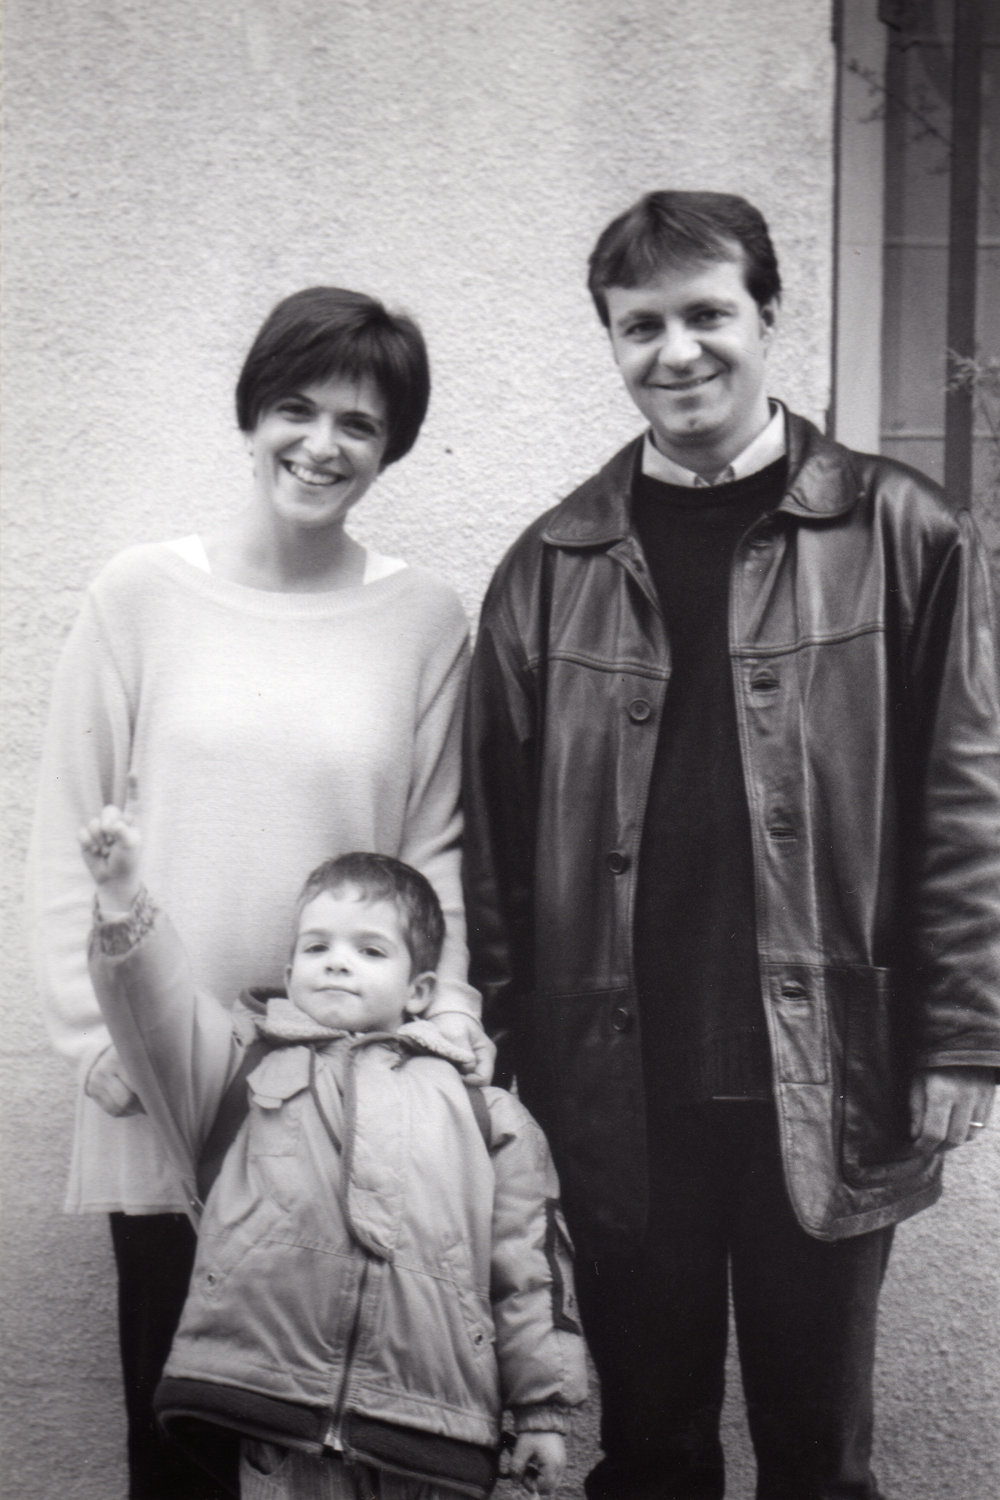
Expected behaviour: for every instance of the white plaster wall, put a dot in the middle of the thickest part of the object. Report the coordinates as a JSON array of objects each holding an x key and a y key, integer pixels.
[{"x": 175, "y": 166}]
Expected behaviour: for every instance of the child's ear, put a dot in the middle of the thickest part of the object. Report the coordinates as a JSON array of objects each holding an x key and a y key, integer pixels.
[
  {"x": 421, "y": 993},
  {"x": 288, "y": 975}
]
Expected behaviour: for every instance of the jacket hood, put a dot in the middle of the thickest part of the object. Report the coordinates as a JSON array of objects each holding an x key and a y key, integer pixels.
[
  {"x": 280, "y": 1022},
  {"x": 823, "y": 482}
]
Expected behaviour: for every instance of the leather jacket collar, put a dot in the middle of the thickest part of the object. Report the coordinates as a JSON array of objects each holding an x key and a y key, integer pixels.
[{"x": 820, "y": 486}]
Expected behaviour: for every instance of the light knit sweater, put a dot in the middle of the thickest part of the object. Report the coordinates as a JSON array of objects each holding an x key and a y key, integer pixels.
[{"x": 268, "y": 731}]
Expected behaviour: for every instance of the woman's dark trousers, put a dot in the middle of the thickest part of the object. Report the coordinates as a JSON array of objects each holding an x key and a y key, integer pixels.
[{"x": 154, "y": 1254}]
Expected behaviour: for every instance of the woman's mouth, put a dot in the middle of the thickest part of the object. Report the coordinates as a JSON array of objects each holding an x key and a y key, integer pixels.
[{"x": 318, "y": 478}]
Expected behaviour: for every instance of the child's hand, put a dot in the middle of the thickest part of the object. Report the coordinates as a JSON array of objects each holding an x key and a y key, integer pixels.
[
  {"x": 110, "y": 847},
  {"x": 538, "y": 1461}
]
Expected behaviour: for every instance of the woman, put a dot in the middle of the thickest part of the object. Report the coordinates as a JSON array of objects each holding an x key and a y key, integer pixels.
[{"x": 290, "y": 695}]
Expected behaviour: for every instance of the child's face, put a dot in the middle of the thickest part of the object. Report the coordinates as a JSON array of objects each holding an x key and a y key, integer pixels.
[{"x": 351, "y": 967}]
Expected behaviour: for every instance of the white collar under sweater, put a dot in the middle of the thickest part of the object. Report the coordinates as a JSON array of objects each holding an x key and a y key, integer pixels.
[{"x": 766, "y": 448}]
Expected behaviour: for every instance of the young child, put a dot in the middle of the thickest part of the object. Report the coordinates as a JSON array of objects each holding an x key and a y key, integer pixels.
[{"x": 382, "y": 1265}]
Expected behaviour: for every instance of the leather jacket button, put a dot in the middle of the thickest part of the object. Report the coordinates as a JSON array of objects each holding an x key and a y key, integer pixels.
[
  {"x": 621, "y": 1018},
  {"x": 617, "y": 862},
  {"x": 793, "y": 990},
  {"x": 639, "y": 710},
  {"x": 764, "y": 682}
]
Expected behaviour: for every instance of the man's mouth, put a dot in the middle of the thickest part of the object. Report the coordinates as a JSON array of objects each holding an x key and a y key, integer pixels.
[
  {"x": 318, "y": 478},
  {"x": 681, "y": 386}
]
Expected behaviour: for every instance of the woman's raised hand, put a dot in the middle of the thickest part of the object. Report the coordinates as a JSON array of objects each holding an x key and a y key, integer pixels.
[{"x": 110, "y": 847}]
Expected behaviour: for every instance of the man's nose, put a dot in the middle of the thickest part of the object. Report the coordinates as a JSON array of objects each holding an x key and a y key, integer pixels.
[{"x": 678, "y": 346}]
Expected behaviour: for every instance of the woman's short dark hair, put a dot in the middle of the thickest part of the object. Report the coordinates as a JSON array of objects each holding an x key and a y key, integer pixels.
[
  {"x": 324, "y": 332},
  {"x": 379, "y": 877},
  {"x": 668, "y": 230}
]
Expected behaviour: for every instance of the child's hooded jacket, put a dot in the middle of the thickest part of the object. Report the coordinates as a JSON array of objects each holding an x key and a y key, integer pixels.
[{"x": 371, "y": 1273}]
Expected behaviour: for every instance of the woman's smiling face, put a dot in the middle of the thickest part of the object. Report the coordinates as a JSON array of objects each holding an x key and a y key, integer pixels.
[{"x": 318, "y": 449}]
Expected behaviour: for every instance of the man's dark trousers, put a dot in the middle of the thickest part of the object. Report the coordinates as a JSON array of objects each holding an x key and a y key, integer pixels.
[{"x": 805, "y": 1311}]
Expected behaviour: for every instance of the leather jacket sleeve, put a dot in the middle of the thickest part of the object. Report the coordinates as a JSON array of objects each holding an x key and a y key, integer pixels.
[
  {"x": 955, "y": 713},
  {"x": 499, "y": 803}
]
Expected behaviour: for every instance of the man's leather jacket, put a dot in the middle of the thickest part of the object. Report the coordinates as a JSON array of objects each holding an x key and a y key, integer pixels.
[{"x": 865, "y": 679}]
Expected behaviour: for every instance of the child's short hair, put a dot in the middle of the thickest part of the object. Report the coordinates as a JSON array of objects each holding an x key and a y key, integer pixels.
[{"x": 379, "y": 877}]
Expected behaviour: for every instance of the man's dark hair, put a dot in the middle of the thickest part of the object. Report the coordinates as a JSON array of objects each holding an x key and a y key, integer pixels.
[
  {"x": 379, "y": 877},
  {"x": 324, "y": 332},
  {"x": 668, "y": 230}
]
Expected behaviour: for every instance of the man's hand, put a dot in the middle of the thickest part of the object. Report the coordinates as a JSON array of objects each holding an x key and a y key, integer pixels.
[
  {"x": 464, "y": 1030},
  {"x": 538, "y": 1461},
  {"x": 110, "y": 847},
  {"x": 949, "y": 1106},
  {"x": 107, "y": 1085}
]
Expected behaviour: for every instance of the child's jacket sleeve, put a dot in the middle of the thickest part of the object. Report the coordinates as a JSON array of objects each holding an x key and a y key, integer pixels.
[
  {"x": 540, "y": 1346},
  {"x": 176, "y": 1043}
]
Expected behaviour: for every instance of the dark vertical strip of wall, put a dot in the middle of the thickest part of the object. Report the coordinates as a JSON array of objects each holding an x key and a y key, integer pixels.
[{"x": 963, "y": 230}]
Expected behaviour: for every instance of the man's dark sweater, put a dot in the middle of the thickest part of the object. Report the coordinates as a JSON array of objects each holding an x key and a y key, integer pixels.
[{"x": 703, "y": 1029}]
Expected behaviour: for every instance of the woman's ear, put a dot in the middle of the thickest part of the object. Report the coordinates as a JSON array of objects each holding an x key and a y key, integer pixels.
[
  {"x": 421, "y": 994},
  {"x": 769, "y": 319}
]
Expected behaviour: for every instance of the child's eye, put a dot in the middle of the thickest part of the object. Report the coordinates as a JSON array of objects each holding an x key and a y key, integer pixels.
[
  {"x": 645, "y": 328},
  {"x": 292, "y": 407},
  {"x": 373, "y": 952}
]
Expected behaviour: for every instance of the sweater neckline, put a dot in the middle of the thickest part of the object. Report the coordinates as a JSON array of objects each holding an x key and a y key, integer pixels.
[{"x": 266, "y": 602}]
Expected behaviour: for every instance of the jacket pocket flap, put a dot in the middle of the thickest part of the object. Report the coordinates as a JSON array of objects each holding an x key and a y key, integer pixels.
[{"x": 283, "y": 1074}]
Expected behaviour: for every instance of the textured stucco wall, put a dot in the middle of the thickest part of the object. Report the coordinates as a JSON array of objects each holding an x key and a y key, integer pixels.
[{"x": 171, "y": 170}]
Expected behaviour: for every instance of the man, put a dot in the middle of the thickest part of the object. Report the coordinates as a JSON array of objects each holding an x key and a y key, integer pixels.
[{"x": 732, "y": 852}]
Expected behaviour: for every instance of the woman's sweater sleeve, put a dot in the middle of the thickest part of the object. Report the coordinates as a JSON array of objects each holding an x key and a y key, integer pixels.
[
  {"x": 432, "y": 835},
  {"x": 85, "y": 762}
]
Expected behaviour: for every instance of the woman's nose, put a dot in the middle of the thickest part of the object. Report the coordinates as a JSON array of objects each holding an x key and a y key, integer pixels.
[{"x": 321, "y": 438}]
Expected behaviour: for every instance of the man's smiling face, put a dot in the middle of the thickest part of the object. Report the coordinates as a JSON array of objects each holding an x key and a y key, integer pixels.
[{"x": 691, "y": 345}]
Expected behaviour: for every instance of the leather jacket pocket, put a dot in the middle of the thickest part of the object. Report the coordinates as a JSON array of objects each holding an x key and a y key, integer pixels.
[{"x": 875, "y": 1132}]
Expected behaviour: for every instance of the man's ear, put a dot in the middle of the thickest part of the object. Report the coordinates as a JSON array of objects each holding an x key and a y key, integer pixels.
[
  {"x": 421, "y": 993},
  {"x": 769, "y": 318},
  {"x": 288, "y": 975}
]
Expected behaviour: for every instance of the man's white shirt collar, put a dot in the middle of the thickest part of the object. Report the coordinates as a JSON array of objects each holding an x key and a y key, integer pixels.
[{"x": 766, "y": 448}]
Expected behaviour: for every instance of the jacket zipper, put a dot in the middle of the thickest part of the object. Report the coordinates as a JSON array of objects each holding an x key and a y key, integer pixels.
[{"x": 333, "y": 1437}]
